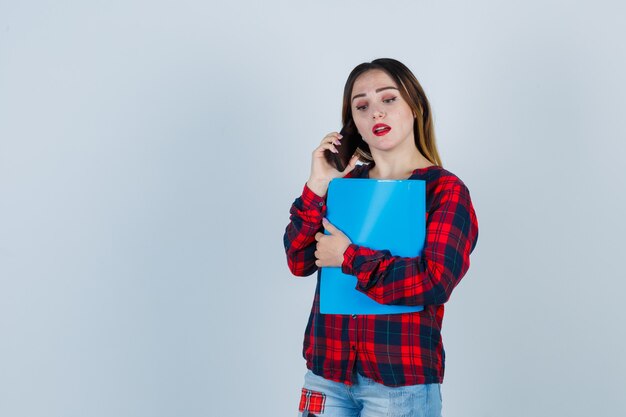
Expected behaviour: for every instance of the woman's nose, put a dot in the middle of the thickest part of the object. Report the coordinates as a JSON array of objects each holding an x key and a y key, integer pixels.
[{"x": 378, "y": 114}]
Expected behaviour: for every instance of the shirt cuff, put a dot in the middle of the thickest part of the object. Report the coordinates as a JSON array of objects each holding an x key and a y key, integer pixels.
[
  {"x": 355, "y": 263},
  {"x": 310, "y": 199},
  {"x": 348, "y": 259}
]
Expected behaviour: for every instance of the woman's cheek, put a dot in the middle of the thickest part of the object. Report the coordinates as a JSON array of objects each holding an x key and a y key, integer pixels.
[{"x": 359, "y": 128}]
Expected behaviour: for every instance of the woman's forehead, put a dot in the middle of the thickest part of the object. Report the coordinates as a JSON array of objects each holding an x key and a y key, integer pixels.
[{"x": 372, "y": 80}]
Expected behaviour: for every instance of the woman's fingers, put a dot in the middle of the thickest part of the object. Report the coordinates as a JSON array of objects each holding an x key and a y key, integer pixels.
[
  {"x": 332, "y": 137},
  {"x": 325, "y": 146},
  {"x": 329, "y": 142},
  {"x": 332, "y": 148}
]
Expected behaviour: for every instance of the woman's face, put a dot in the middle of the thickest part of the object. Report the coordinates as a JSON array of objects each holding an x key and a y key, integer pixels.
[{"x": 382, "y": 116}]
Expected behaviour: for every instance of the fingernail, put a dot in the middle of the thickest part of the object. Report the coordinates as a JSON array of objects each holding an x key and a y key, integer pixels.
[{"x": 340, "y": 135}]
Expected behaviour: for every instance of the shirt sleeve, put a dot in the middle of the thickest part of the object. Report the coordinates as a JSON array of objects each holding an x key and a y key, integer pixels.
[
  {"x": 451, "y": 235},
  {"x": 306, "y": 215}
]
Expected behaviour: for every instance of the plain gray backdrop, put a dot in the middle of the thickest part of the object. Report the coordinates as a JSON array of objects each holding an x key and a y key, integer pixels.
[{"x": 150, "y": 151}]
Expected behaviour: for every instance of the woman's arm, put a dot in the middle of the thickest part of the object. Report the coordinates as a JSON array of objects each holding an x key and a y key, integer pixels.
[
  {"x": 451, "y": 235},
  {"x": 309, "y": 209},
  {"x": 307, "y": 212}
]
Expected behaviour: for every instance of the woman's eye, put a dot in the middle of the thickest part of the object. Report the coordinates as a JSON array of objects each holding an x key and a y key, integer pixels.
[{"x": 386, "y": 100}]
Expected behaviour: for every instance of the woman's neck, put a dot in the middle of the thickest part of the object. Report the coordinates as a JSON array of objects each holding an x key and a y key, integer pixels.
[{"x": 398, "y": 168}]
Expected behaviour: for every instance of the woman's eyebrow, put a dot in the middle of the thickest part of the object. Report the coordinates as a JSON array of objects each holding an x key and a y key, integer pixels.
[{"x": 378, "y": 90}]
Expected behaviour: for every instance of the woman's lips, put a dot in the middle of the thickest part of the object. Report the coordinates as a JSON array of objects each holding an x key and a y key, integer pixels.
[{"x": 380, "y": 129}]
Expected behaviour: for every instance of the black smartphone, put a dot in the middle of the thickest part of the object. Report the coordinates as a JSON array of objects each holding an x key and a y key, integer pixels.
[{"x": 349, "y": 142}]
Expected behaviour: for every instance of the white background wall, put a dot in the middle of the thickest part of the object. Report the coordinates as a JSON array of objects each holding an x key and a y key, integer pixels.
[{"x": 150, "y": 151}]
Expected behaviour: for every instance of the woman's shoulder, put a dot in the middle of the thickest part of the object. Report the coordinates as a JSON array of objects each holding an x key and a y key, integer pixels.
[{"x": 440, "y": 180}]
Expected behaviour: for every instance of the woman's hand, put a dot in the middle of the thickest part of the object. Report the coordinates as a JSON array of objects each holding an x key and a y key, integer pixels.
[
  {"x": 321, "y": 171},
  {"x": 330, "y": 248}
]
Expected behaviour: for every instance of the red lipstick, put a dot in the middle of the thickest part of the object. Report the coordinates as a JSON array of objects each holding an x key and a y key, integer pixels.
[{"x": 380, "y": 129}]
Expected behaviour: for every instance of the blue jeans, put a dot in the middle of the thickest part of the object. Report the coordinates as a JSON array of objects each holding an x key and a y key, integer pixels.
[{"x": 367, "y": 398}]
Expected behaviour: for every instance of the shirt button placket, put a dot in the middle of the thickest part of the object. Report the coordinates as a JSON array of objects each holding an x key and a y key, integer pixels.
[{"x": 354, "y": 316}]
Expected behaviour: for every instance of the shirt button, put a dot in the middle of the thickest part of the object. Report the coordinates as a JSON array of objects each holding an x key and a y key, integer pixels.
[
  {"x": 321, "y": 203},
  {"x": 353, "y": 347}
]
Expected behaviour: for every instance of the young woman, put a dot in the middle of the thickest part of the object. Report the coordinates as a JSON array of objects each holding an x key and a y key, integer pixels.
[{"x": 378, "y": 365}]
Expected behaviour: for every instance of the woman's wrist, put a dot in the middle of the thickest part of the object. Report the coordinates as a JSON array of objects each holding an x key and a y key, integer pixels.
[{"x": 319, "y": 187}]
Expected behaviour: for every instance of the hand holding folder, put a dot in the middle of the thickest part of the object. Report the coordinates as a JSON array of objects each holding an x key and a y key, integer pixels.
[{"x": 378, "y": 214}]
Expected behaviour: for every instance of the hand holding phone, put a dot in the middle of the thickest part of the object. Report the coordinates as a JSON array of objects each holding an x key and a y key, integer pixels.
[
  {"x": 349, "y": 143},
  {"x": 327, "y": 164}
]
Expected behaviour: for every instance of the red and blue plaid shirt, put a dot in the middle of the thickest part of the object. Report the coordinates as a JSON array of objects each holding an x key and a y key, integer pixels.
[{"x": 392, "y": 349}]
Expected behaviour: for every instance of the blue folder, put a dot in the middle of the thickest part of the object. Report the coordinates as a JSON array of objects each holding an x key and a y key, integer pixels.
[{"x": 378, "y": 214}]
